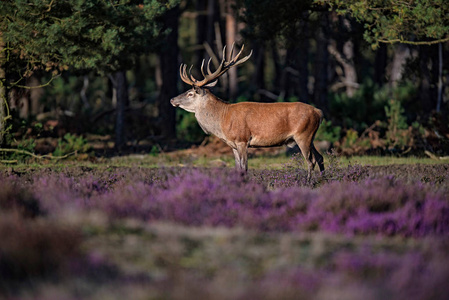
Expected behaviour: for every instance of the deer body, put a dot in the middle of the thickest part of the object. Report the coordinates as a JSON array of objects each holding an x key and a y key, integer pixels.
[{"x": 251, "y": 124}]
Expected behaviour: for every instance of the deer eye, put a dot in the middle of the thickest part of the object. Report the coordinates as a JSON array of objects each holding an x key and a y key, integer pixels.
[{"x": 190, "y": 94}]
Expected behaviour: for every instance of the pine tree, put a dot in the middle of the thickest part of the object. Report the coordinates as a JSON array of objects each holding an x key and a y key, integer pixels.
[
  {"x": 55, "y": 35},
  {"x": 418, "y": 22}
]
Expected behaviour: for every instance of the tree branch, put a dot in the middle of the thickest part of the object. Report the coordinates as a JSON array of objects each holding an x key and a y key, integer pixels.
[
  {"x": 37, "y": 86},
  {"x": 402, "y": 41},
  {"x": 34, "y": 155}
]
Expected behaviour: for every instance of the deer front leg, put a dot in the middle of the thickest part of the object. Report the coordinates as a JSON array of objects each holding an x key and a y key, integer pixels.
[
  {"x": 241, "y": 157},
  {"x": 236, "y": 157}
]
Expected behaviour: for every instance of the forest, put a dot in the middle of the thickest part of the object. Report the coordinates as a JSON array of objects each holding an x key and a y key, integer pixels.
[
  {"x": 92, "y": 74},
  {"x": 108, "y": 191}
]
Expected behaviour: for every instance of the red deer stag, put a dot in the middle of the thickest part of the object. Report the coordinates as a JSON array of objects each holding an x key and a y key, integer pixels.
[{"x": 249, "y": 124}]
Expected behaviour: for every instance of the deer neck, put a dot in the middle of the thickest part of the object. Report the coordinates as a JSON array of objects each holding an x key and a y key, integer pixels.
[{"x": 210, "y": 114}]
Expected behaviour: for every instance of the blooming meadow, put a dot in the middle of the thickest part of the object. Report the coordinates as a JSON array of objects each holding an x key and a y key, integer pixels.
[{"x": 352, "y": 232}]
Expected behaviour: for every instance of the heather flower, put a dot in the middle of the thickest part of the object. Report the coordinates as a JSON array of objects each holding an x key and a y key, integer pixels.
[{"x": 221, "y": 197}]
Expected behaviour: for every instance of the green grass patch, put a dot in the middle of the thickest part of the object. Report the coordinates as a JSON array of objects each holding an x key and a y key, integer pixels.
[
  {"x": 273, "y": 162},
  {"x": 389, "y": 160}
]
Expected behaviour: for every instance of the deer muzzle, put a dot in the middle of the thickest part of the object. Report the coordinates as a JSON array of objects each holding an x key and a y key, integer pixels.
[{"x": 174, "y": 102}]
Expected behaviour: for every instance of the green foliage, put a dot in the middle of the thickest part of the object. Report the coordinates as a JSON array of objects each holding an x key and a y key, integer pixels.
[
  {"x": 418, "y": 128},
  {"x": 85, "y": 34},
  {"x": 382, "y": 120},
  {"x": 188, "y": 128},
  {"x": 398, "y": 21},
  {"x": 360, "y": 110},
  {"x": 20, "y": 129},
  {"x": 71, "y": 143},
  {"x": 368, "y": 103},
  {"x": 394, "y": 112},
  {"x": 155, "y": 150},
  {"x": 268, "y": 19},
  {"x": 21, "y": 135},
  {"x": 5, "y": 134},
  {"x": 26, "y": 144},
  {"x": 350, "y": 138},
  {"x": 328, "y": 132},
  {"x": 398, "y": 134}
]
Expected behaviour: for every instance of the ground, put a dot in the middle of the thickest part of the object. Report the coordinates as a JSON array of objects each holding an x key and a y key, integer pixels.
[{"x": 185, "y": 226}]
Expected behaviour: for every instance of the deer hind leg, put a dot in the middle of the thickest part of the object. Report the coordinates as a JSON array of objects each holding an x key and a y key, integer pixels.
[
  {"x": 317, "y": 158},
  {"x": 309, "y": 155},
  {"x": 241, "y": 157}
]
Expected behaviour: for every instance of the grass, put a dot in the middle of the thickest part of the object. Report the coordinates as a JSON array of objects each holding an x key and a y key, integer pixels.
[
  {"x": 279, "y": 161},
  {"x": 390, "y": 160},
  {"x": 272, "y": 162}
]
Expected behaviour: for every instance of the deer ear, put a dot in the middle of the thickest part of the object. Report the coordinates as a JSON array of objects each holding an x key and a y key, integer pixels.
[
  {"x": 212, "y": 84},
  {"x": 196, "y": 89}
]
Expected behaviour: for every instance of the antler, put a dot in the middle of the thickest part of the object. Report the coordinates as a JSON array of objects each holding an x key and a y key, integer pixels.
[{"x": 209, "y": 76}]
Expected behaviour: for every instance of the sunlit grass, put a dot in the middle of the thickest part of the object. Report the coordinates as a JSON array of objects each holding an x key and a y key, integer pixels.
[
  {"x": 279, "y": 162},
  {"x": 274, "y": 162},
  {"x": 389, "y": 160}
]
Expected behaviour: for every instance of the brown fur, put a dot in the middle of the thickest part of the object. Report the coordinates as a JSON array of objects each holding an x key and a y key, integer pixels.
[{"x": 252, "y": 124}]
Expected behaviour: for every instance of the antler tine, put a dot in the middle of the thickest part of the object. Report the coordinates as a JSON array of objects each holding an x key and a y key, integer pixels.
[
  {"x": 223, "y": 57},
  {"x": 195, "y": 81},
  {"x": 183, "y": 75},
  {"x": 225, "y": 66},
  {"x": 212, "y": 76},
  {"x": 184, "y": 72},
  {"x": 188, "y": 75},
  {"x": 180, "y": 71},
  {"x": 221, "y": 69},
  {"x": 232, "y": 50},
  {"x": 234, "y": 60},
  {"x": 242, "y": 60},
  {"x": 208, "y": 66},
  {"x": 202, "y": 68}
]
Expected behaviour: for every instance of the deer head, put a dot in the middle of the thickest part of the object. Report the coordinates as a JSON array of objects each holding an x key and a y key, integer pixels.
[{"x": 193, "y": 97}]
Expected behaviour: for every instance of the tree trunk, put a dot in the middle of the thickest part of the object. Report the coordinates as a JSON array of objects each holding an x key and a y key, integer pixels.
[
  {"x": 2, "y": 92},
  {"x": 2, "y": 106},
  {"x": 286, "y": 75},
  {"x": 425, "y": 89},
  {"x": 27, "y": 101},
  {"x": 380, "y": 65},
  {"x": 122, "y": 100},
  {"x": 440, "y": 77},
  {"x": 231, "y": 36},
  {"x": 212, "y": 17},
  {"x": 321, "y": 64},
  {"x": 342, "y": 49},
  {"x": 349, "y": 69},
  {"x": 169, "y": 72},
  {"x": 258, "y": 79},
  {"x": 302, "y": 65},
  {"x": 280, "y": 76},
  {"x": 201, "y": 30},
  {"x": 402, "y": 52}
]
